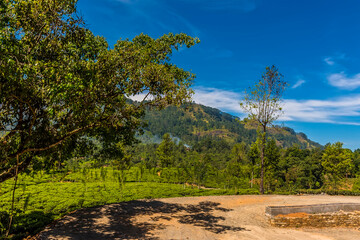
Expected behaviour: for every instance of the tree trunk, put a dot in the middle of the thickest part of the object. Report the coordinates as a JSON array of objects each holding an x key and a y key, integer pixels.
[
  {"x": 262, "y": 156},
  {"x": 252, "y": 178},
  {"x": 12, "y": 172}
]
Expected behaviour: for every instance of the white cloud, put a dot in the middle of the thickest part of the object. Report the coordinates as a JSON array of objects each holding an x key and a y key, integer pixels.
[
  {"x": 298, "y": 83},
  {"x": 158, "y": 14},
  {"x": 141, "y": 97},
  {"x": 218, "y": 98},
  {"x": 329, "y": 61},
  {"x": 211, "y": 5},
  {"x": 325, "y": 111},
  {"x": 343, "y": 110},
  {"x": 341, "y": 80},
  {"x": 337, "y": 111},
  {"x": 214, "y": 5}
]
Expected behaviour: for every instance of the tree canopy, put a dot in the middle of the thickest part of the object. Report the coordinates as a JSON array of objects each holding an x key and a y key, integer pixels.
[
  {"x": 263, "y": 104},
  {"x": 165, "y": 151},
  {"x": 337, "y": 161},
  {"x": 58, "y": 81}
]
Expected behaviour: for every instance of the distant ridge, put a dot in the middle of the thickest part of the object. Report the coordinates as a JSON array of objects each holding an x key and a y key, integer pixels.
[{"x": 192, "y": 122}]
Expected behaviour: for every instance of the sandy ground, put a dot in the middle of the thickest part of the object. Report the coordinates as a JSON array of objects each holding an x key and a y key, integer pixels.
[{"x": 216, "y": 217}]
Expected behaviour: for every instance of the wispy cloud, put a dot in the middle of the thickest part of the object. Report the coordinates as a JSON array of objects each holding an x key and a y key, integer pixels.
[
  {"x": 342, "y": 81},
  {"x": 332, "y": 60},
  {"x": 336, "y": 111},
  {"x": 329, "y": 61},
  {"x": 222, "y": 99},
  {"x": 194, "y": 31},
  {"x": 216, "y": 5},
  {"x": 298, "y": 83},
  {"x": 158, "y": 14},
  {"x": 326, "y": 111},
  {"x": 342, "y": 110},
  {"x": 213, "y": 5}
]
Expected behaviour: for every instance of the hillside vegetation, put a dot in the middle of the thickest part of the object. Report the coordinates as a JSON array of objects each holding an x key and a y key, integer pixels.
[
  {"x": 45, "y": 196},
  {"x": 193, "y": 122}
]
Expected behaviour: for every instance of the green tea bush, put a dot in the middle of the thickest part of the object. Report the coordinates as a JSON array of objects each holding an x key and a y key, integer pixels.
[
  {"x": 4, "y": 221},
  {"x": 49, "y": 196},
  {"x": 356, "y": 186},
  {"x": 321, "y": 191}
]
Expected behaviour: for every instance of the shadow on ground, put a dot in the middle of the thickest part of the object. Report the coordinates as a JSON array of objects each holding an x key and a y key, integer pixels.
[{"x": 116, "y": 221}]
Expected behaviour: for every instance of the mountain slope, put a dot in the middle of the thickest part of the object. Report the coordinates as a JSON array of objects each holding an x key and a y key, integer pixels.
[{"x": 193, "y": 122}]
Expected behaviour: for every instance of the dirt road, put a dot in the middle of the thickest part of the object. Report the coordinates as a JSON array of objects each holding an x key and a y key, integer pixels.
[{"x": 217, "y": 217}]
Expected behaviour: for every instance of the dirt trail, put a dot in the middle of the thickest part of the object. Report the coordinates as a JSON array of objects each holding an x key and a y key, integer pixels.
[{"x": 210, "y": 218}]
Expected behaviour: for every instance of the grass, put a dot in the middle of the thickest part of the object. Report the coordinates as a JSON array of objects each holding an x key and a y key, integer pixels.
[{"x": 44, "y": 197}]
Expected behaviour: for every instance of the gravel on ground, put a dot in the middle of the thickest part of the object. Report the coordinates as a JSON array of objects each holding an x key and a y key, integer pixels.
[{"x": 210, "y": 218}]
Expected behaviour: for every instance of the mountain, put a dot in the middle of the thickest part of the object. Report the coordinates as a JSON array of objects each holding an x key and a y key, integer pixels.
[{"x": 192, "y": 122}]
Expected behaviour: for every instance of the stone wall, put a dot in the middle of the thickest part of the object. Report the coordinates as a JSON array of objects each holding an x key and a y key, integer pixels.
[
  {"x": 318, "y": 220},
  {"x": 273, "y": 211},
  {"x": 318, "y": 215}
]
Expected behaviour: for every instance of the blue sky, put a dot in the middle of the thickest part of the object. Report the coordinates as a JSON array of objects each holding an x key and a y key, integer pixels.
[{"x": 315, "y": 45}]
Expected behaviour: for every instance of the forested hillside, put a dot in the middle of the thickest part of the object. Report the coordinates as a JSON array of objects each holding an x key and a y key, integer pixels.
[{"x": 193, "y": 122}]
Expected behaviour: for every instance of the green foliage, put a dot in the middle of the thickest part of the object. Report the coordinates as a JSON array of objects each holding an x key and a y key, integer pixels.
[
  {"x": 263, "y": 104},
  {"x": 193, "y": 123},
  {"x": 356, "y": 186},
  {"x": 286, "y": 169},
  {"x": 4, "y": 221},
  {"x": 357, "y": 161},
  {"x": 237, "y": 166},
  {"x": 239, "y": 153},
  {"x": 337, "y": 162},
  {"x": 263, "y": 101},
  {"x": 53, "y": 196},
  {"x": 59, "y": 81},
  {"x": 165, "y": 151},
  {"x": 326, "y": 191},
  {"x": 45, "y": 195},
  {"x": 272, "y": 158}
]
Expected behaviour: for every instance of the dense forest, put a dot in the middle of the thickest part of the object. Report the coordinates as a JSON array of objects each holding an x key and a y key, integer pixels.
[
  {"x": 209, "y": 148},
  {"x": 193, "y": 122}
]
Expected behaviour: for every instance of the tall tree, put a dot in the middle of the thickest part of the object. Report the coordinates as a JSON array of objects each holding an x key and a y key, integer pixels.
[
  {"x": 337, "y": 162},
  {"x": 357, "y": 161},
  {"x": 239, "y": 153},
  {"x": 272, "y": 153},
  {"x": 263, "y": 104},
  {"x": 58, "y": 81},
  {"x": 254, "y": 159},
  {"x": 165, "y": 151}
]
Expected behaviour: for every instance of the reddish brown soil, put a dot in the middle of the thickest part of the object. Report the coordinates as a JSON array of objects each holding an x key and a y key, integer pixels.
[
  {"x": 294, "y": 215},
  {"x": 210, "y": 218}
]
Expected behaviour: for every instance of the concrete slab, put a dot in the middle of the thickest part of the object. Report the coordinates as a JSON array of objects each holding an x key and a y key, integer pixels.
[{"x": 273, "y": 211}]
